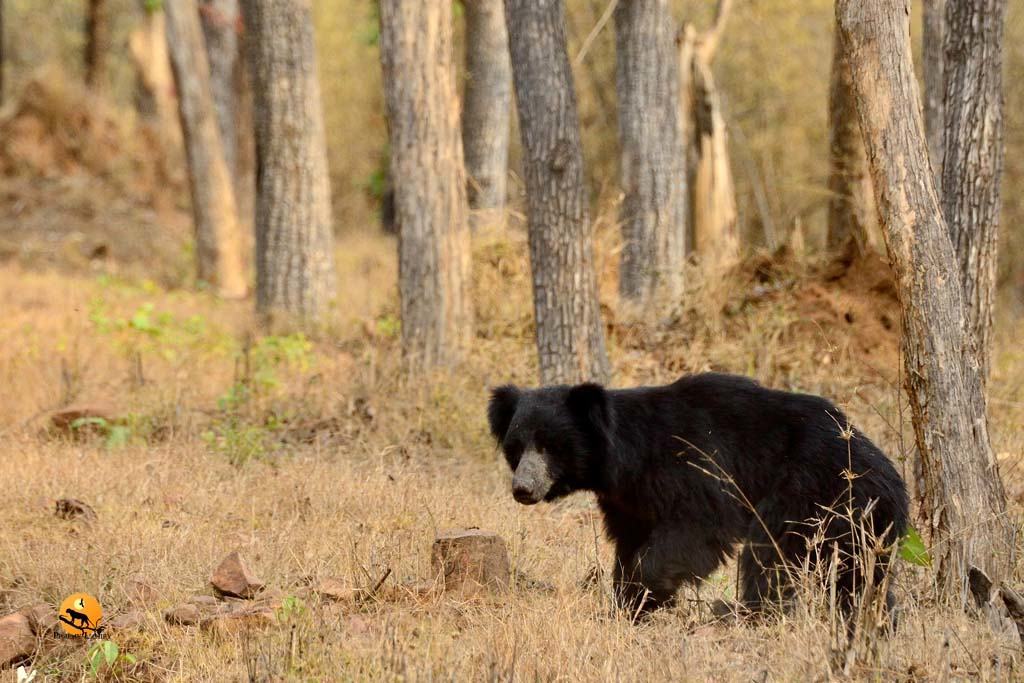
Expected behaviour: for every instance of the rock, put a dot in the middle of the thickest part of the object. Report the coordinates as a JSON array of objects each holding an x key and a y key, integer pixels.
[
  {"x": 81, "y": 421},
  {"x": 129, "y": 621},
  {"x": 140, "y": 593},
  {"x": 17, "y": 642},
  {"x": 186, "y": 614},
  {"x": 239, "y": 621},
  {"x": 233, "y": 578},
  {"x": 726, "y": 611},
  {"x": 204, "y": 601},
  {"x": 71, "y": 508},
  {"x": 469, "y": 559},
  {"x": 41, "y": 618},
  {"x": 336, "y": 590}
]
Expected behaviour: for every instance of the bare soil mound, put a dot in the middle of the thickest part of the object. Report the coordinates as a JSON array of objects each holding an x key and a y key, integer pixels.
[{"x": 86, "y": 187}]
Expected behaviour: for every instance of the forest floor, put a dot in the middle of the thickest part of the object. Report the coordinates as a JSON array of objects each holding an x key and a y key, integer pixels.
[{"x": 324, "y": 463}]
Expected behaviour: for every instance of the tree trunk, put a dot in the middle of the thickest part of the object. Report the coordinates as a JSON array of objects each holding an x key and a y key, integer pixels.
[
  {"x": 147, "y": 45},
  {"x": 852, "y": 214},
  {"x": 3, "y": 56},
  {"x": 570, "y": 333},
  {"x": 713, "y": 227},
  {"x": 487, "y": 104},
  {"x": 972, "y": 168},
  {"x": 653, "y": 171},
  {"x": 933, "y": 37},
  {"x": 963, "y": 499},
  {"x": 220, "y": 20},
  {"x": 429, "y": 180},
  {"x": 97, "y": 44},
  {"x": 294, "y": 238},
  {"x": 232, "y": 98},
  {"x": 218, "y": 237}
]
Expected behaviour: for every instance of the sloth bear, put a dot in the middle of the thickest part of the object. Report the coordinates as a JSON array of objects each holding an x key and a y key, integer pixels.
[{"x": 684, "y": 472}]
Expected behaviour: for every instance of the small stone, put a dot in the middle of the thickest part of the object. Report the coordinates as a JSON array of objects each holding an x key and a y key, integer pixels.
[
  {"x": 140, "y": 592},
  {"x": 71, "y": 508},
  {"x": 17, "y": 642},
  {"x": 41, "y": 618},
  {"x": 239, "y": 621},
  {"x": 129, "y": 621},
  {"x": 233, "y": 578},
  {"x": 183, "y": 615},
  {"x": 204, "y": 600},
  {"x": 336, "y": 590}
]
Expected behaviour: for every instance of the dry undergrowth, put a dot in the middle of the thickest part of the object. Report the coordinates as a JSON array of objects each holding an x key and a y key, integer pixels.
[
  {"x": 318, "y": 457},
  {"x": 321, "y": 459}
]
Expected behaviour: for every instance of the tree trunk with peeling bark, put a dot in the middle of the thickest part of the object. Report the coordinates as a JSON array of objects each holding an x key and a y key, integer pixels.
[
  {"x": 294, "y": 237},
  {"x": 487, "y": 105},
  {"x": 963, "y": 499},
  {"x": 972, "y": 167},
  {"x": 933, "y": 23},
  {"x": 220, "y": 21},
  {"x": 852, "y": 215},
  {"x": 429, "y": 180},
  {"x": 570, "y": 333},
  {"x": 97, "y": 44},
  {"x": 713, "y": 227},
  {"x": 232, "y": 97},
  {"x": 218, "y": 235},
  {"x": 653, "y": 164}
]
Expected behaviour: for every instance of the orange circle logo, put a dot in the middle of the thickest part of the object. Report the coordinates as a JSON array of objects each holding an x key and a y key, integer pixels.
[{"x": 80, "y": 615}]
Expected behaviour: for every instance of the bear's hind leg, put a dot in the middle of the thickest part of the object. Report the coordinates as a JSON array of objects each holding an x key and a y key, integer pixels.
[
  {"x": 649, "y": 577},
  {"x": 774, "y": 550}
]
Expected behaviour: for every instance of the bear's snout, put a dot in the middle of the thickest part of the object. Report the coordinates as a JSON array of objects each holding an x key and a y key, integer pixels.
[{"x": 531, "y": 480}]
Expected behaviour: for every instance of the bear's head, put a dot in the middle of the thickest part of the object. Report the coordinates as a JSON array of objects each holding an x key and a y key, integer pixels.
[{"x": 553, "y": 438}]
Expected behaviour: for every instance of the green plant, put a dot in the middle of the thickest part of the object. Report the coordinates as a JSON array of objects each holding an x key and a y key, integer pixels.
[
  {"x": 291, "y": 608},
  {"x": 913, "y": 550},
  {"x": 114, "y": 434},
  {"x": 236, "y": 440},
  {"x": 106, "y": 655}
]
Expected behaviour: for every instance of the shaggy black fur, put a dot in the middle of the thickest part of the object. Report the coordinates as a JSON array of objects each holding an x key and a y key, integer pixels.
[{"x": 686, "y": 471}]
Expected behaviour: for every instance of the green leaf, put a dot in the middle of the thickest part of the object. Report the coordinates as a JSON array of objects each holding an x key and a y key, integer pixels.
[
  {"x": 89, "y": 422},
  {"x": 913, "y": 550},
  {"x": 110, "y": 651},
  {"x": 129, "y": 658},
  {"x": 95, "y": 660},
  {"x": 118, "y": 436}
]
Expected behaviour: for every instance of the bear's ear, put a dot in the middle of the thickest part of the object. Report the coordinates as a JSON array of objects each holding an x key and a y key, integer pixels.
[
  {"x": 588, "y": 404},
  {"x": 501, "y": 408}
]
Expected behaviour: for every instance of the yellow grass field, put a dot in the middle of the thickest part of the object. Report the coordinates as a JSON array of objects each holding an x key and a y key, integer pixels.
[{"x": 319, "y": 458}]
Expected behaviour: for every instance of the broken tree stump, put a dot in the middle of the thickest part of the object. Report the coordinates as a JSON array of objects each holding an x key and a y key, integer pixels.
[{"x": 468, "y": 560}]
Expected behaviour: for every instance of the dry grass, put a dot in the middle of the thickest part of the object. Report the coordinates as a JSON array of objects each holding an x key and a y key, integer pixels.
[{"x": 334, "y": 463}]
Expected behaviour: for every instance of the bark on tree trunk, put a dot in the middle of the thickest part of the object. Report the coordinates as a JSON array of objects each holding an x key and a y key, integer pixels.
[
  {"x": 487, "y": 104},
  {"x": 933, "y": 37},
  {"x": 653, "y": 165},
  {"x": 2, "y": 54},
  {"x": 570, "y": 333},
  {"x": 147, "y": 45},
  {"x": 232, "y": 98},
  {"x": 218, "y": 236},
  {"x": 220, "y": 20},
  {"x": 294, "y": 237},
  {"x": 713, "y": 228},
  {"x": 429, "y": 180},
  {"x": 852, "y": 214},
  {"x": 963, "y": 499},
  {"x": 972, "y": 168},
  {"x": 97, "y": 44}
]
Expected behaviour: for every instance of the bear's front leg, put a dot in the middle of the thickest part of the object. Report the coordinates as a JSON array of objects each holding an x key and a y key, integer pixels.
[{"x": 647, "y": 575}]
